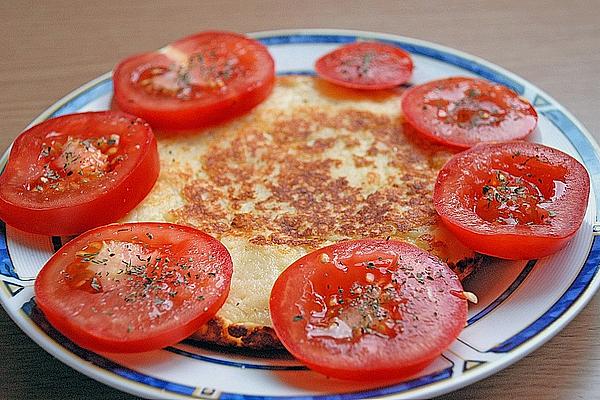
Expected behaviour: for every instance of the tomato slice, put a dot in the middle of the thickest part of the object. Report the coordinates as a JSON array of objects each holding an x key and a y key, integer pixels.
[
  {"x": 197, "y": 81},
  {"x": 367, "y": 309},
  {"x": 134, "y": 287},
  {"x": 366, "y": 66},
  {"x": 513, "y": 200},
  {"x": 78, "y": 171},
  {"x": 462, "y": 112}
]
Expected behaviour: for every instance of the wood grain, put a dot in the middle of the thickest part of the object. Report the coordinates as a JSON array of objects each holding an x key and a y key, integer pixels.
[{"x": 50, "y": 48}]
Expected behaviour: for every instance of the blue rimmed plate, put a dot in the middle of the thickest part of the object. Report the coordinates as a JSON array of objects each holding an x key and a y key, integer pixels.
[{"x": 522, "y": 304}]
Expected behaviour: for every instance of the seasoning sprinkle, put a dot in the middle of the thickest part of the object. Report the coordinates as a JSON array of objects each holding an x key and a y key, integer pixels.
[{"x": 95, "y": 284}]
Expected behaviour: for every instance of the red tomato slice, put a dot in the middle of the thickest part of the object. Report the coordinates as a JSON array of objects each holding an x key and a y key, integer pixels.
[
  {"x": 513, "y": 200},
  {"x": 462, "y": 112},
  {"x": 134, "y": 287},
  {"x": 196, "y": 81},
  {"x": 366, "y": 65},
  {"x": 367, "y": 309},
  {"x": 75, "y": 172}
]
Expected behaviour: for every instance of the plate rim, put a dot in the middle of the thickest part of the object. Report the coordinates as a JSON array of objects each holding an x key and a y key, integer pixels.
[{"x": 433, "y": 389}]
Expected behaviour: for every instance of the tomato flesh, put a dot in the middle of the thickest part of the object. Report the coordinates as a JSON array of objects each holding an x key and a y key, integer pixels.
[
  {"x": 366, "y": 66},
  {"x": 134, "y": 287},
  {"x": 512, "y": 200},
  {"x": 462, "y": 112},
  {"x": 202, "y": 74},
  {"x": 66, "y": 162},
  {"x": 367, "y": 309},
  {"x": 72, "y": 173},
  {"x": 196, "y": 81}
]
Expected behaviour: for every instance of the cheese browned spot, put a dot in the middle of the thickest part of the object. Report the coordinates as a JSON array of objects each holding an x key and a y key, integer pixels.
[{"x": 310, "y": 166}]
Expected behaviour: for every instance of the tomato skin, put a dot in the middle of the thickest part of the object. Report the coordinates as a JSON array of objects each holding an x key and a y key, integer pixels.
[
  {"x": 421, "y": 321},
  {"x": 366, "y": 66},
  {"x": 241, "y": 93},
  {"x": 461, "y": 112},
  {"x": 105, "y": 320},
  {"x": 562, "y": 180},
  {"x": 102, "y": 201}
]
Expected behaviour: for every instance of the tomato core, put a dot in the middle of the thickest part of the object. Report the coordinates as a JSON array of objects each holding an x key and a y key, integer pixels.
[
  {"x": 66, "y": 163},
  {"x": 362, "y": 301},
  {"x": 148, "y": 272},
  {"x": 466, "y": 107},
  {"x": 512, "y": 200},
  {"x": 517, "y": 190},
  {"x": 202, "y": 74}
]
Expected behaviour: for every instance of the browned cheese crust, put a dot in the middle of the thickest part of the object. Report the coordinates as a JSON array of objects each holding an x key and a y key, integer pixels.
[
  {"x": 316, "y": 203},
  {"x": 311, "y": 166}
]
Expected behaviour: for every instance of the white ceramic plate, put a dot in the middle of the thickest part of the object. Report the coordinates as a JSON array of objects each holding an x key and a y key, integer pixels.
[{"x": 522, "y": 304}]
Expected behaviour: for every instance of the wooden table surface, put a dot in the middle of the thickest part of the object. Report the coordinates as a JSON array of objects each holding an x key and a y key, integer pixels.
[{"x": 50, "y": 48}]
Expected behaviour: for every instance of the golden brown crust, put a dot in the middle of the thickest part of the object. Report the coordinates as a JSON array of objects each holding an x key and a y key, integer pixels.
[
  {"x": 305, "y": 202},
  {"x": 222, "y": 332}
]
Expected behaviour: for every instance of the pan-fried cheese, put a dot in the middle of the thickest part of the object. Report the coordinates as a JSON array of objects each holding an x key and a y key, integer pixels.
[{"x": 312, "y": 165}]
